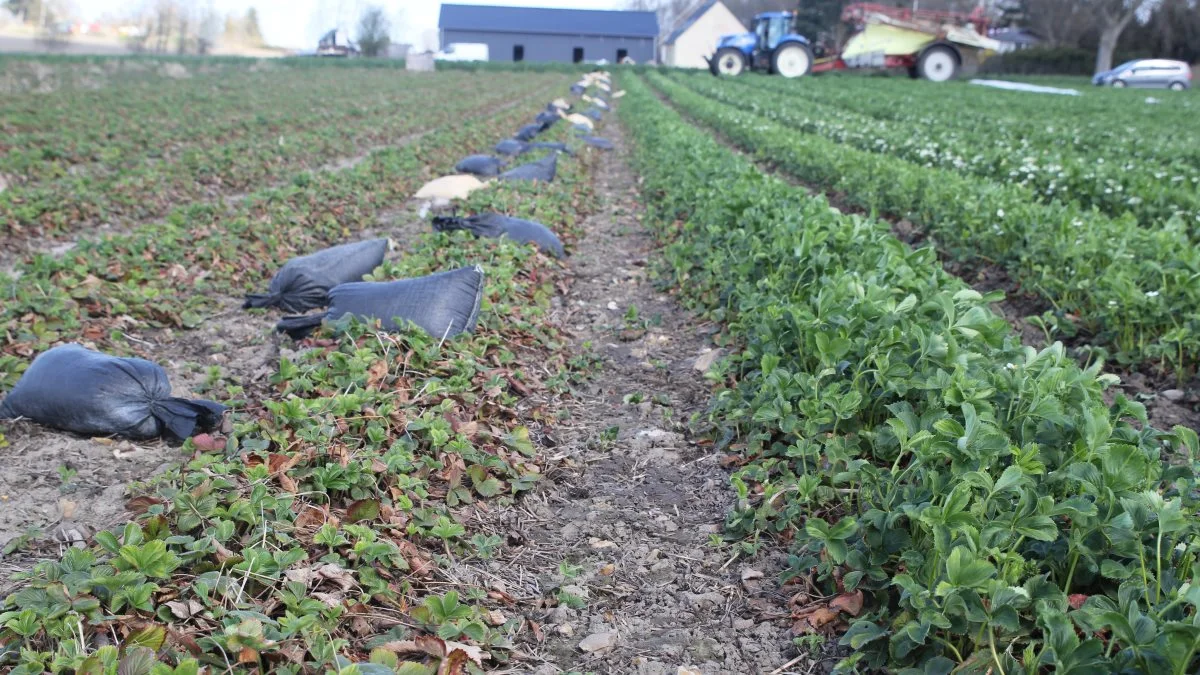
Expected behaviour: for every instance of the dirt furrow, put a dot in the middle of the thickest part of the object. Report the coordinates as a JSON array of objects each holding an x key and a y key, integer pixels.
[{"x": 612, "y": 560}]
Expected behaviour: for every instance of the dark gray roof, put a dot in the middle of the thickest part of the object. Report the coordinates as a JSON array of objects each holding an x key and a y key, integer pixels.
[
  {"x": 687, "y": 23},
  {"x": 545, "y": 20}
]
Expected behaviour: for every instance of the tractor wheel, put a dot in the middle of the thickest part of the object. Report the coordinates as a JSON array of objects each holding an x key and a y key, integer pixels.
[
  {"x": 729, "y": 61},
  {"x": 938, "y": 64},
  {"x": 792, "y": 60}
]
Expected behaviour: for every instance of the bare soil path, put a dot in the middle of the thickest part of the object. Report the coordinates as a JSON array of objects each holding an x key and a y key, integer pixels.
[{"x": 610, "y": 561}]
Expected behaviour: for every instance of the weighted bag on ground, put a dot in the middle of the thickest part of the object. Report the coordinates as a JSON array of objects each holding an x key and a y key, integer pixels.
[
  {"x": 76, "y": 389},
  {"x": 443, "y": 304},
  {"x": 496, "y": 225},
  {"x": 303, "y": 283},
  {"x": 479, "y": 165},
  {"x": 544, "y": 169}
]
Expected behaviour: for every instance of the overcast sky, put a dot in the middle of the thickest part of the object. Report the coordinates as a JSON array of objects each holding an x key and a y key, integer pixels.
[{"x": 297, "y": 24}]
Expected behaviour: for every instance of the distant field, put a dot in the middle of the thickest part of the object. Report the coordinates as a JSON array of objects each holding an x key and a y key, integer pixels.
[{"x": 16, "y": 44}]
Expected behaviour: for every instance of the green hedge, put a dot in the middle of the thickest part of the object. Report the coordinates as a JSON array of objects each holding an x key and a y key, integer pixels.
[{"x": 1047, "y": 61}]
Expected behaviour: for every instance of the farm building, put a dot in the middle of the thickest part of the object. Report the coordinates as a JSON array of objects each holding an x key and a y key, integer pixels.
[
  {"x": 542, "y": 34},
  {"x": 695, "y": 37}
]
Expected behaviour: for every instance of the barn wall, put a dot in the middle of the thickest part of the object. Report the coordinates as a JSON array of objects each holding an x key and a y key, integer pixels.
[
  {"x": 700, "y": 40},
  {"x": 543, "y": 48}
]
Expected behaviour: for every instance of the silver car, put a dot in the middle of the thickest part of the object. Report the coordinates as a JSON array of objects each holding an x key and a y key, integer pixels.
[{"x": 1148, "y": 74}]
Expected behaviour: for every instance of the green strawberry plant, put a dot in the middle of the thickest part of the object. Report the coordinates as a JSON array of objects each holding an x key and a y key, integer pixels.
[{"x": 996, "y": 511}]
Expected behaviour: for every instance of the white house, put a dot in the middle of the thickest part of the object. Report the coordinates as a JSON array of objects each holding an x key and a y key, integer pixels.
[{"x": 695, "y": 37}]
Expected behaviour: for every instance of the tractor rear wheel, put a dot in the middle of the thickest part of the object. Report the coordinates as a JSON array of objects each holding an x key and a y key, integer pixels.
[
  {"x": 791, "y": 60},
  {"x": 729, "y": 61},
  {"x": 938, "y": 64}
]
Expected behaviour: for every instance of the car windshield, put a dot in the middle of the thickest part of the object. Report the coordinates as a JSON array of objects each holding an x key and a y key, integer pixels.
[{"x": 1125, "y": 65}]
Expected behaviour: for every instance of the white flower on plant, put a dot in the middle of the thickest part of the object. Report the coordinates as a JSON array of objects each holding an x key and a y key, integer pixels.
[
  {"x": 1112, "y": 303},
  {"x": 999, "y": 213},
  {"x": 1151, "y": 294}
]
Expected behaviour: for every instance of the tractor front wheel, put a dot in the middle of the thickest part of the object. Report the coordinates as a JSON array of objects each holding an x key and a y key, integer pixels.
[
  {"x": 729, "y": 61},
  {"x": 938, "y": 64},
  {"x": 792, "y": 60}
]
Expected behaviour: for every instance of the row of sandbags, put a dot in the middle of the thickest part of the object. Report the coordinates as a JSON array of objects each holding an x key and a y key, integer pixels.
[
  {"x": 76, "y": 389},
  {"x": 443, "y": 304}
]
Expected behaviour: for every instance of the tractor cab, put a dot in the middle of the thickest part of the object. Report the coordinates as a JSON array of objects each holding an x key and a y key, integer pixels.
[{"x": 772, "y": 45}]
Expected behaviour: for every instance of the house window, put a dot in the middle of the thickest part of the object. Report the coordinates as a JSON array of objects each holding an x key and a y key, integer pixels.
[
  {"x": 577, "y": 55},
  {"x": 518, "y": 52},
  {"x": 621, "y": 54}
]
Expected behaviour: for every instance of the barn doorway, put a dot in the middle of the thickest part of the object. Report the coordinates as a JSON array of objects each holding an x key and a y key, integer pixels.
[
  {"x": 518, "y": 53},
  {"x": 621, "y": 54},
  {"x": 577, "y": 55}
]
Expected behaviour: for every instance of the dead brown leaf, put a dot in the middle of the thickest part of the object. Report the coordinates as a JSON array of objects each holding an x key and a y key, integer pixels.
[
  {"x": 850, "y": 603},
  {"x": 813, "y": 621},
  {"x": 376, "y": 374},
  {"x": 185, "y": 610}
]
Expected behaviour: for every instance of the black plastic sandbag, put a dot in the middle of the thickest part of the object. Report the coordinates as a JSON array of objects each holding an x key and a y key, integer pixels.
[
  {"x": 527, "y": 132},
  {"x": 303, "y": 283},
  {"x": 479, "y": 165},
  {"x": 443, "y": 304},
  {"x": 548, "y": 145},
  {"x": 76, "y": 389},
  {"x": 496, "y": 225},
  {"x": 594, "y": 113},
  {"x": 511, "y": 146},
  {"x": 577, "y": 89},
  {"x": 597, "y": 142},
  {"x": 544, "y": 169},
  {"x": 546, "y": 119}
]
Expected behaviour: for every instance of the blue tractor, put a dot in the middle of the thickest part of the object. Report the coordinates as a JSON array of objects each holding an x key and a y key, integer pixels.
[{"x": 773, "y": 46}]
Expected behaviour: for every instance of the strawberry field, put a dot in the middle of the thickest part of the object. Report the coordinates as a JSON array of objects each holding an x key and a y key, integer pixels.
[
  {"x": 991, "y": 505},
  {"x": 839, "y": 374}
]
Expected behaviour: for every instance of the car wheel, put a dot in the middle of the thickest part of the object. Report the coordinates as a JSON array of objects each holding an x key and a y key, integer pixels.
[
  {"x": 1119, "y": 84},
  {"x": 1177, "y": 86}
]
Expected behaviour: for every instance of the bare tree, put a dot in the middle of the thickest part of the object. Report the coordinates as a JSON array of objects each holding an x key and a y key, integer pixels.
[
  {"x": 1061, "y": 23},
  {"x": 374, "y": 32},
  {"x": 670, "y": 12},
  {"x": 1114, "y": 16},
  {"x": 208, "y": 29},
  {"x": 184, "y": 21}
]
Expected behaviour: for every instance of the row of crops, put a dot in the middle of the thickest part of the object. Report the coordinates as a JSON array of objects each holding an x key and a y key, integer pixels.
[
  {"x": 84, "y": 158},
  {"x": 993, "y": 506},
  {"x": 310, "y": 537},
  {"x": 1120, "y": 285}
]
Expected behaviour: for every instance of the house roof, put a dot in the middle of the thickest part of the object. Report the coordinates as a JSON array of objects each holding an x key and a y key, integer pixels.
[
  {"x": 486, "y": 18},
  {"x": 691, "y": 19}
]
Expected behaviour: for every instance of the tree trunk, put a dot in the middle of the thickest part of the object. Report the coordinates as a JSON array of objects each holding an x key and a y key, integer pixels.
[
  {"x": 1110, "y": 32},
  {"x": 1108, "y": 45}
]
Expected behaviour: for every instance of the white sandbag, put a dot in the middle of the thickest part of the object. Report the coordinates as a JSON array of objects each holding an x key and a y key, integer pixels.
[
  {"x": 449, "y": 187},
  {"x": 604, "y": 86},
  {"x": 619, "y": 94},
  {"x": 560, "y": 103},
  {"x": 577, "y": 119}
]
